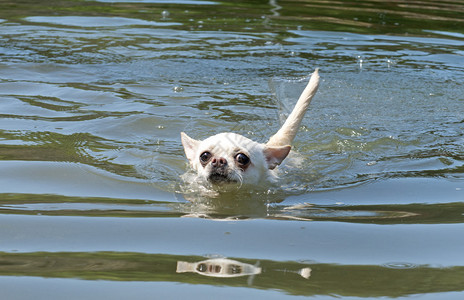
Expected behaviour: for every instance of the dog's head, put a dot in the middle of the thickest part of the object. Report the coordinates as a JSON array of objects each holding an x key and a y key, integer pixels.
[{"x": 232, "y": 158}]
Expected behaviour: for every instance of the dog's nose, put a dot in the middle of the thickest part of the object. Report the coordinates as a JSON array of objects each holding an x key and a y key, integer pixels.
[{"x": 219, "y": 162}]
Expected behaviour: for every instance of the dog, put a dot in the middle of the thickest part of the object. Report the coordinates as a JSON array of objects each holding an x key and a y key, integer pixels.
[{"x": 232, "y": 159}]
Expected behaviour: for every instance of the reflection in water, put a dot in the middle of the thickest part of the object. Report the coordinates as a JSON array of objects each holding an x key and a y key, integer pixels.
[
  {"x": 305, "y": 272},
  {"x": 218, "y": 267},
  {"x": 228, "y": 268},
  {"x": 236, "y": 210},
  {"x": 390, "y": 280}
]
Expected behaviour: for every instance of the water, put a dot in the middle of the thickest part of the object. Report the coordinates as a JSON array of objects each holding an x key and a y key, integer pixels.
[{"x": 94, "y": 96}]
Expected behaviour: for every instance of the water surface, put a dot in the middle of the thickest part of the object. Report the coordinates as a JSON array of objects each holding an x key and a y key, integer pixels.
[{"x": 94, "y": 95}]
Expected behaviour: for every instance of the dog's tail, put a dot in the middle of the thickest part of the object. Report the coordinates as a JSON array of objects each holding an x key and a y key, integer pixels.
[{"x": 288, "y": 131}]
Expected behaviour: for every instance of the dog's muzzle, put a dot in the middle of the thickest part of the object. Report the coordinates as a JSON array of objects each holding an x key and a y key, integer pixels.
[
  {"x": 219, "y": 172},
  {"x": 220, "y": 175}
]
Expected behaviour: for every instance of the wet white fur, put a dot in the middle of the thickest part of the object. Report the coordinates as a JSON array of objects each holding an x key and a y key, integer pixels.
[{"x": 226, "y": 145}]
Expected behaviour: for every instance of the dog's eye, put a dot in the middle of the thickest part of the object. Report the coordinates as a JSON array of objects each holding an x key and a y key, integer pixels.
[
  {"x": 242, "y": 159},
  {"x": 205, "y": 156}
]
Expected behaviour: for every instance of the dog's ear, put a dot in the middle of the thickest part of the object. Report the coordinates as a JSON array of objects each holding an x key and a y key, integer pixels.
[
  {"x": 275, "y": 155},
  {"x": 190, "y": 146}
]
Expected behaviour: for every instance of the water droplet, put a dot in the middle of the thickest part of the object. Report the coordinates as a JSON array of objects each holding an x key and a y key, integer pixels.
[
  {"x": 390, "y": 62},
  {"x": 165, "y": 14},
  {"x": 360, "y": 61}
]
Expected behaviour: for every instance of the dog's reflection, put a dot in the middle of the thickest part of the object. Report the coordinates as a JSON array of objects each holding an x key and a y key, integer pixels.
[
  {"x": 218, "y": 267},
  {"x": 226, "y": 268}
]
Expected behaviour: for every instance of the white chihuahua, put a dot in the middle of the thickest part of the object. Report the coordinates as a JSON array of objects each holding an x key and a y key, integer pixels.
[{"x": 232, "y": 158}]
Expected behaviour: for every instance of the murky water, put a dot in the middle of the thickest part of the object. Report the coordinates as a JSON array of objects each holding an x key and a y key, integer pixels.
[{"x": 94, "y": 95}]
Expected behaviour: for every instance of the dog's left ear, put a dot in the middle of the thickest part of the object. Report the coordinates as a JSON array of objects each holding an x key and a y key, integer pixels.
[
  {"x": 190, "y": 146},
  {"x": 275, "y": 155}
]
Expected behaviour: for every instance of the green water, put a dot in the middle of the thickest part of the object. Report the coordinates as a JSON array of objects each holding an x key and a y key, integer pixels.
[{"x": 94, "y": 95}]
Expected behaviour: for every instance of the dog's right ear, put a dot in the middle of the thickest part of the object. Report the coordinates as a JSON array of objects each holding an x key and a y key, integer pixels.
[
  {"x": 190, "y": 146},
  {"x": 275, "y": 155}
]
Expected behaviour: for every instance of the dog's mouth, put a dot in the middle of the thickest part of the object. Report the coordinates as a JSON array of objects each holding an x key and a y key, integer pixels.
[{"x": 220, "y": 178}]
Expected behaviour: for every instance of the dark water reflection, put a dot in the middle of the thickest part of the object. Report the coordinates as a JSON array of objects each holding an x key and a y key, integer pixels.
[
  {"x": 294, "y": 278},
  {"x": 240, "y": 207},
  {"x": 93, "y": 95}
]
